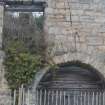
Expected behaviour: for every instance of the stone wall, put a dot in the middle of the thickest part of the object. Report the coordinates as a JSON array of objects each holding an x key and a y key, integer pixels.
[
  {"x": 4, "y": 91},
  {"x": 84, "y": 39}
]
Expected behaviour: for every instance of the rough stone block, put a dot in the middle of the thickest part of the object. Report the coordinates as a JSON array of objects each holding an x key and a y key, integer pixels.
[
  {"x": 87, "y": 18},
  {"x": 77, "y": 12},
  {"x": 60, "y": 5},
  {"x": 49, "y": 11},
  {"x": 74, "y": 18},
  {"x": 100, "y": 19},
  {"x": 86, "y": 1},
  {"x": 5, "y": 97},
  {"x": 95, "y": 40}
]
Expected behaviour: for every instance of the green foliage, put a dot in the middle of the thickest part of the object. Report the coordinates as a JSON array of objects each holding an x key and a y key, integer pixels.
[{"x": 20, "y": 64}]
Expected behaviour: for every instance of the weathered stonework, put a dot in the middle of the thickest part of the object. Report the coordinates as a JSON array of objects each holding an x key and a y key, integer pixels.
[
  {"x": 88, "y": 29},
  {"x": 4, "y": 91},
  {"x": 88, "y": 22}
]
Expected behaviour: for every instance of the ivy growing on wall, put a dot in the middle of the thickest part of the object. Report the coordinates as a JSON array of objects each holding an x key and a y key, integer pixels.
[{"x": 20, "y": 64}]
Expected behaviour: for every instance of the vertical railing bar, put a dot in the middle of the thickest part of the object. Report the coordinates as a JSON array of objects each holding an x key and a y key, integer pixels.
[
  {"x": 68, "y": 99},
  {"x": 93, "y": 98},
  {"x": 74, "y": 98},
  {"x": 29, "y": 97},
  {"x": 77, "y": 99},
  {"x": 22, "y": 88},
  {"x": 52, "y": 97},
  {"x": 64, "y": 98},
  {"x": 88, "y": 98},
  {"x": 19, "y": 96},
  {"x": 40, "y": 97},
  {"x": 11, "y": 98},
  {"x": 60, "y": 97},
  {"x": 103, "y": 98},
  {"x": 100, "y": 98},
  {"x": 49, "y": 97},
  {"x": 97, "y": 98},
  {"x": 45, "y": 97},
  {"x": 81, "y": 97},
  {"x": 56, "y": 97},
  {"x": 14, "y": 97},
  {"x": 38, "y": 102},
  {"x": 36, "y": 97},
  {"x": 23, "y": 96},
  {"x": 85, "y": 98}
]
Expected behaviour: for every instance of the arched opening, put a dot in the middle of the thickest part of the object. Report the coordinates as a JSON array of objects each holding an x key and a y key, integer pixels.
[
  {"x": 71, "y": 84},
  {"x": 72, "y": 75}
]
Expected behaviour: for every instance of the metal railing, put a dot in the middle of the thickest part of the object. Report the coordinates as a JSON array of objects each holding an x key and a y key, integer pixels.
[
  {"x": 60, "y": 97},
  {"x": 70, "y": 97},
  {"x": 21, "y": 97}
]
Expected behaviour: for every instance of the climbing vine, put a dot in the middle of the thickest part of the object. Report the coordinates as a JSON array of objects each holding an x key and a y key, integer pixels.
[{"x": 20, "y": 64}]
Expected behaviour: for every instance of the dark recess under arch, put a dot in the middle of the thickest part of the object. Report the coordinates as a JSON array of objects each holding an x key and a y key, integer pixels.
[{"x": 73, "y": 75}]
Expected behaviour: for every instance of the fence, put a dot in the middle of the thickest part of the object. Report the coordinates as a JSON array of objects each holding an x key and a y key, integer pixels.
[
  {"x": 21, "y": 97},
  {"x": 70, "y": 97},
  {"x": 61, "y": 97}
]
